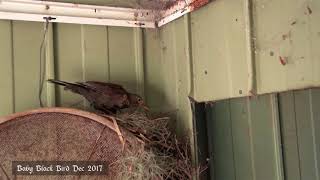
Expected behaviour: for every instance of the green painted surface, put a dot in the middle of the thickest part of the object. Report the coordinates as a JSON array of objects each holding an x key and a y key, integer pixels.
[
  {"x": 242, "y": 142},
  {"x": 74, "y": 53},
  {"x": 244, "y": 139},
  {"x": 167, "y": 71},
  {"x": 220, "y": 133},
  {"x": 167, "y": 65},
  {"x": 6, "y": 69},
  {"x": 300, "y": 120},
  {"x": 219, "y": 50},
  {"x": 26, "y": 44},
  {"x": 287, "y": 29},
  {"x": 289, "y": 136},
  {"x": 271, "y": 137}
]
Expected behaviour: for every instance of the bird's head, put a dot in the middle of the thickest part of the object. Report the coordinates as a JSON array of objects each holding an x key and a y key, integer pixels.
[{"x": 137, "y": 101}]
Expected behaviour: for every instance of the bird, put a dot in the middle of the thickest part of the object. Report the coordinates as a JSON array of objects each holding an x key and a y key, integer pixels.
[{"x": 109, "y": 98}]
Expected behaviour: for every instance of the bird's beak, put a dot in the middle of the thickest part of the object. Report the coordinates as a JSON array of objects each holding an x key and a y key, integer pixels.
[{"x": 145, "y": 107}]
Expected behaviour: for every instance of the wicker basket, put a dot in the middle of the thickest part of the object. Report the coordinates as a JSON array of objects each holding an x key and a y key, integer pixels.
[{"x": 60, "y": 134}]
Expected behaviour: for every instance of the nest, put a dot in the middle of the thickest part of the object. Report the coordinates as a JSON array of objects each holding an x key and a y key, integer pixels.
[{"x": 165, "y": 156}]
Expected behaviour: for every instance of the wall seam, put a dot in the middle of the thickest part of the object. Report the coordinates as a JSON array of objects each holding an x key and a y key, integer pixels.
[
  {"x": 108, "y": 54},
  {"x": 251, "y": 139},
  {"x": 138, "y": 44},
  {"x": 83, "y": 59},
  {"x": 313, "y": 133},
  {"x": 297, "y": 133},
  {"x": 252, "y": 84},
  {"x": 232, "y": 140},
  {"x": 277, "y": 135},
  {"x": 13, "y": 69}
]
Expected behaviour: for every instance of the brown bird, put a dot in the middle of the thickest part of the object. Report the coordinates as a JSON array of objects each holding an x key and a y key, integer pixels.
[{"x": 106, "y": 97}]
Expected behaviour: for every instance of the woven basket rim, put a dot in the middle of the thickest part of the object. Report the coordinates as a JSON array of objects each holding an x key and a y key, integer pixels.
[{"x": 106, "y": 121}]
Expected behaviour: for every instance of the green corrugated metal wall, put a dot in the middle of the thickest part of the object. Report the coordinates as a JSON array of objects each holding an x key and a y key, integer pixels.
[
  {"x": 75, "y": 53},
  {"x": 129, "y": 56},
  {"x": 167, "y": 65},
  {"x": 270, "y": 137},
  {"x": 300, "y": 119}
]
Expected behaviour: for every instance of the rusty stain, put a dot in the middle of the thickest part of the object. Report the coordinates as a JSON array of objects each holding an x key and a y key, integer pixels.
[
  {"x": 171, "y": 4},
  {"x": 283, "y": 60},
  {"x": 196, "y": 4},
  {"x": 286, "y": 36},
  {"x": 309, "y": 10},
  {"x": 293, "y": 23}
]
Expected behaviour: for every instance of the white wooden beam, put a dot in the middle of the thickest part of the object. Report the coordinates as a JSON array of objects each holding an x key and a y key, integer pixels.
[{"x": 35, "y": 10}]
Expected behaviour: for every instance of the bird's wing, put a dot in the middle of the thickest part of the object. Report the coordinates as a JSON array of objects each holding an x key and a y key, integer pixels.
[
  {"x": 107, "y": 88},
  {"x": 111, "y": 85}
]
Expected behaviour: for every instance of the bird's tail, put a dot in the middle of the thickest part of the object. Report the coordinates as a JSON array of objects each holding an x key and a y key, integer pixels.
[
  {"x": 78, "y": 88},
  {"x": 61, "y": 83}
]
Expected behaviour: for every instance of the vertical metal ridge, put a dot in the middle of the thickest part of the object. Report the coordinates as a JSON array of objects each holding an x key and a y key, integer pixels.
[
  {"x": 50, "y": 72},
  {"x": 55, "y": 44},
  {"x": 297, "y": 133},
  {"x": 312, "y": 119},
  {"x": 83, "y": 53},
  {"x": 232, "y": 140},
  {"x": 249, "y": 21},
  {"x": 83, "y": 59},
  {"x": 13, "y": 69},
  {"x": 188, "y": 49},
  {"x": 139, "y": 60},
  {"x": 277, "y": 136},
  {"x": 191, "y": 57},
  {"x": 248, "y": 103},
  {"x": 108, "y": 54},
  {"x": 176, "y": 72}
]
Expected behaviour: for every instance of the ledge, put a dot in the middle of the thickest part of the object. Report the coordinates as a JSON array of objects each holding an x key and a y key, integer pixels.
[{"x": 35, "y": 10}]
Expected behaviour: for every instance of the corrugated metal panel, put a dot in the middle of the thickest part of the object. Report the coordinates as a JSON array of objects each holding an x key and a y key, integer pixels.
[
  {"x": 6, "y": 68},
  {"x": 167, "y": 70},
  {"x": 244, "y": 139},
  {"x": 20, "y": 63},
  {"x": 272, "y": 137},
  {"x": 221, "y": 61},
  {"x": 96, "y": 53},
  {"x": 300, "y": 121},
  {"x": 220, "y": 36},
  {"x": 291, "y": 30},
  {"x": 80, "y": 53}
]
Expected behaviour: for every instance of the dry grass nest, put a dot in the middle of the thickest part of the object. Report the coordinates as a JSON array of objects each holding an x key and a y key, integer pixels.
[{"x": 164, "y": 156}]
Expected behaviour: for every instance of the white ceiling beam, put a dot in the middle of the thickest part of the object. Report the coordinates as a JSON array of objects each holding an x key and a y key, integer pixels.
[{"x": 35, "y": 10}]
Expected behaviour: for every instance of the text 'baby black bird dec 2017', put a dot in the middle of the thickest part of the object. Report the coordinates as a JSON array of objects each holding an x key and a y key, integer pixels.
[{"x": 106, "y": 97}]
